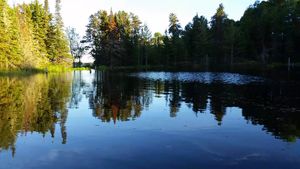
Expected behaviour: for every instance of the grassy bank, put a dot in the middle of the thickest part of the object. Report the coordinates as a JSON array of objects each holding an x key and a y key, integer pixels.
[
  {"x": 59, "y": 69},
  {"x": 49, "y": 69}
]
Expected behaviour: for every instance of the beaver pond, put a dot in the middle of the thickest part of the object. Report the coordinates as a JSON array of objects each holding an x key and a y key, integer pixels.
[{"x": 148, "y": 120}]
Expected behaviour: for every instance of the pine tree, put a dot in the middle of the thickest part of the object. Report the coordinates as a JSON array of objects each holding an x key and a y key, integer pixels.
[
  {"x": 39, "y": 17},
  {"x": 175, "y": 32},
  {"x": 4, "y": 37},
  {"x": 134, "y": 38},
  {"x": 145, "y": 42},
  {"x": 29, "y": 47},
  {"x": 30, "y": 37},
  {"x": 217, "y": 32},
  {"x": 60, "y": 48},
  {"x": 9, "y": 38},
  {"x": 196, "y": 39}
]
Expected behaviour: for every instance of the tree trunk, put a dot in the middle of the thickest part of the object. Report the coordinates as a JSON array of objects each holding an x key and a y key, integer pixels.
[
  {"x": 264, "y": 53},
  {"x": 231, "y": 54}
]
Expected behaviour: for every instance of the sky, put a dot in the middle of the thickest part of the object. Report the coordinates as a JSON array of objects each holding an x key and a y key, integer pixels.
[{"x": 154, "y": 13}]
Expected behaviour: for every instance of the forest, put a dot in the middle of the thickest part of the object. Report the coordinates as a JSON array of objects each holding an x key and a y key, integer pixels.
[
  {"x": 31, "y": 37},
  {"x": 268, "y": 33}
]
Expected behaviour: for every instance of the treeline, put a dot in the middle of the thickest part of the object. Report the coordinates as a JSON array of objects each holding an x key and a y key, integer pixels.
[
  {"x": 31, "y": 37},
  {"x": 268, "y": 32},
  {"x": 117, "y": 38}
]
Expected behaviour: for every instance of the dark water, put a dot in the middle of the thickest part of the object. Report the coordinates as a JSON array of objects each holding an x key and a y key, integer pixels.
[{"x": 148, "y": 121}]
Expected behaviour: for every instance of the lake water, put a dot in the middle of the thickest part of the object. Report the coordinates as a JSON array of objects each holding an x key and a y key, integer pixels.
[{"x": 148, "y": 120}]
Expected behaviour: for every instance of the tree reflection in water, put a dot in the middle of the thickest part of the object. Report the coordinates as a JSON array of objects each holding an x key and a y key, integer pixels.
[
  {"x": 117, "y": 98},
  {"x": 32, "y": 104},
  {"x": 39, "y": 103},
  {"x": 272, "y": 105}
]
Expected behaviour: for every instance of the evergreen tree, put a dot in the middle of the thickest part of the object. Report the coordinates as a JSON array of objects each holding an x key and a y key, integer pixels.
[
  {"x": 145, "y": 38},
  {"x": 39, "y": 17},
  {"x": 174, "y": 26},
  {"x": 29, "y": 46},
  {"x": 230, "y": 40},
  {"x": 175, "y": 32},
  {"x": 134, "y": 38},
  {"x": 196, "y": 39},
  {"x": 268, "y": 32},
  {"x": 157, "y": 47},
  {"x": 9, "y": 38},
  {"x": 61, "y": 46},
  {"x": 29, "y": 38},
  {"x": 217, "y": 33},
  {"x": 114, "y": 38}
]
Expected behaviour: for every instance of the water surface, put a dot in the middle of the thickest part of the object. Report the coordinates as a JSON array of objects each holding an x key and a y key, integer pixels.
[{"x": 148, "y": 120}]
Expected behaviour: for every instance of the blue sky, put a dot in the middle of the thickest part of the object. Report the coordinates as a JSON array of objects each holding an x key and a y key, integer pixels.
[{"x": 152, "y": 12}]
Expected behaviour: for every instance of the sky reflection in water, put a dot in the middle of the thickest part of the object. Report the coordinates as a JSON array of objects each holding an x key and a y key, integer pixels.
[{"x": 148, "y": 120}]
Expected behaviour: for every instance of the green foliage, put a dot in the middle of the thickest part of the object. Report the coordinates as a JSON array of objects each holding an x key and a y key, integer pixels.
[
  {"x": 9, "y": 44},
  {"x": 77, "y": 46},
  {"x": 81, "y": 68},
  {"x": 174, "y": 26},
  {"x": 196, "y": 39},
  {"x": 218, "y": 32},
  {"x": 30, "y": 38},
  {"x": 117, "y": 39},
  {"x": 271, "y": 31},
  {"x": 268, "y": 32},
  {"x": 102, "y": 67},
  {"x": 60, "y": 48},
  {"x": 33, "y": 38}
]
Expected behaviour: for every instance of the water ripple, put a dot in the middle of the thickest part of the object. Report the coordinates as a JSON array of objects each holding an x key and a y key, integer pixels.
[{"x": 201, "y": 77}]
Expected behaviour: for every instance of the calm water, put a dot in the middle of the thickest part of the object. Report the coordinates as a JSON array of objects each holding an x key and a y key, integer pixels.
[{"x": 155, "y": 120}]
